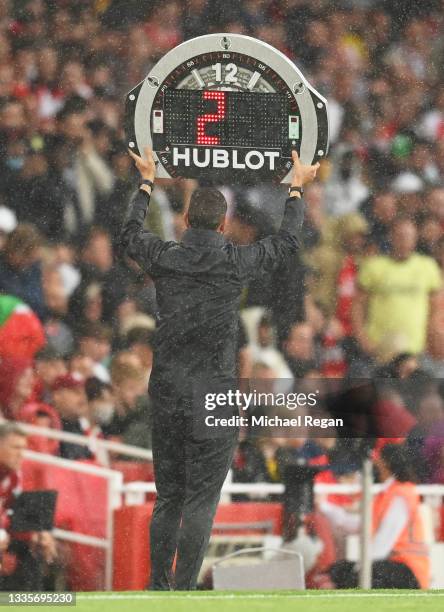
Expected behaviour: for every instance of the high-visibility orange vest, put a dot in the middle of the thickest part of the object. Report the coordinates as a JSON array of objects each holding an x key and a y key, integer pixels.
[{"x": 410, "y": 547}]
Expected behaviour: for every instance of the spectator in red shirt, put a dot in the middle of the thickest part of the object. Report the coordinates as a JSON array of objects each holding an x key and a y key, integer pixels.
[
  {"x": 21, "y": 568},
  {"x": 16, "y": 385},
  {"x": 353, "y": 229},
  {"x": 41, "y": 415},
  {"x": 48, "y": 365},
  {"x": 71, "y": 403}
]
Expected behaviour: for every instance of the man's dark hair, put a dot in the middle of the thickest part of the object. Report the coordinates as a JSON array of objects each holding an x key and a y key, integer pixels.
[
  {"x": 94, "y": 388},
  {"x": 48, "y": 353},
  {"x": 92, "y": 233},
  {"x": 396, "y": 458},
  {"x": 139, "y": 335},
  {"x": 94, "y": 329},
  {"x": 207, "y": 209},
  {"x": 25, "y": 239}
]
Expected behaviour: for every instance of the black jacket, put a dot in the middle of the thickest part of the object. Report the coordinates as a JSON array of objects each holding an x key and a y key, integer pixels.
[{"x": 198, "y": 286}]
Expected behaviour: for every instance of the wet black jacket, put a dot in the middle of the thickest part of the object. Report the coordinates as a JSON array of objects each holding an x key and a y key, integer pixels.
[{"x": 198, "y": 286}]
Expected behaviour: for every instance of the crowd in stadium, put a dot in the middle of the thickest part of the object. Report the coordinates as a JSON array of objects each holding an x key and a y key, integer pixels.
[{"x": 365, "y": 297}]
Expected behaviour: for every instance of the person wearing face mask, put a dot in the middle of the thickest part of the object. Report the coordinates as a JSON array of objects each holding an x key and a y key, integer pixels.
[
  {"x": 70, "y": 401},
  {"x": 101, "y": 401}
]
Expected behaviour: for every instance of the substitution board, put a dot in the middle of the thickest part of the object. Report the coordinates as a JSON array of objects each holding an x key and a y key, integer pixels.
[{"x": 227, "y": 107}]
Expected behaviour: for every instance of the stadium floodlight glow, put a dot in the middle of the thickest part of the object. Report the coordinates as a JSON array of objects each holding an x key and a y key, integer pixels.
[{"x": 228, "y": 107}]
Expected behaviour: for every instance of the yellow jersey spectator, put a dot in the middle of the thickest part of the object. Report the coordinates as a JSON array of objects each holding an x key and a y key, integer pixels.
[{"x": 395, "y": 294}]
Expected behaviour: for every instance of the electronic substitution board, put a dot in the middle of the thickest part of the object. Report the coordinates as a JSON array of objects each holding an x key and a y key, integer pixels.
[{"x": 229, "y": 108}]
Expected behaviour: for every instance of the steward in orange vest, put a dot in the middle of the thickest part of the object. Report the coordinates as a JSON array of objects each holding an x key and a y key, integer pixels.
[
  {"x": 409, "y": 547},
  {"x": 400, "y": 558}
]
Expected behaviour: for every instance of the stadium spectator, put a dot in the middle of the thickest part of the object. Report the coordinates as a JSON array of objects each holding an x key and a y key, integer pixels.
[
  {"x": 380, "y": 212},
  {"x": 352, "y": 232},
  {"x": 22, "y": 554},
  {"x": 432, "y": 360},
  {"x": 41, "y": 415},
  {"x": 69, "y": 399},
  {"x": 131, "y": 422},
  {"x": 391, "y": 289},
  {"x": 20, "y": 269},
  {"x": 97, "y": 254},
  {"x": 48, "y": 365},
  {"x": 250, "y": 463},
  {"x": 81, "y": 365},
  {"x": 343, "y": 469},
  {"x": 430, "y": 414},
  {"x": 21, "y": 331},
  {"x": 345, "y": 190},
  {"x": 94, "y": 341},
  {"x": 55, "y": 292},
  {"x": 16, "y": 385},
  {"x": 433, "y": 452},
  {"x": 332, "y": 350},
  {"x": 93, "y": 175},
  {"x": 139, "y": 340},
  {"x": 100, "y": 400},
  {"x": 334, "y": 259},
  {"x": 85, "y": 305},
  {"x": 300, "y": 350},
  {"x": 265, "y": 351}
]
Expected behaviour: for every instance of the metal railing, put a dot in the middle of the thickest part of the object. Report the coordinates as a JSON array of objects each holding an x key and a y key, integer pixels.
[
  {"x": 95, "y": 444},
  {"x": 134, "y": 493},
  {"x": 114, "y": 488}
]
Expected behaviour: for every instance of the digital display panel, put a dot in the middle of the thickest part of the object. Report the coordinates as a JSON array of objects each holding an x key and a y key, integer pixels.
[
  {"x": 226, "y": 119},
  {"x": 226, "y": 108}
]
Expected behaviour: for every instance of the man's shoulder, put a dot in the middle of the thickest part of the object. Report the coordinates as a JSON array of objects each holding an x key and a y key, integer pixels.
[
  {"x": 375, "y": 262},
  {"x": 423, "y": 260}
]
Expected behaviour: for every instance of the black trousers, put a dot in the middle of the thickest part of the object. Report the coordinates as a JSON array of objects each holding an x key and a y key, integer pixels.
[
  {"x": 385, "y": 575},
  {"x": 189, "y": 475}
]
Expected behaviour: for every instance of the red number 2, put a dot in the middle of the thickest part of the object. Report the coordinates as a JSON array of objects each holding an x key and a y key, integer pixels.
[{"x": 202, "y": 120}]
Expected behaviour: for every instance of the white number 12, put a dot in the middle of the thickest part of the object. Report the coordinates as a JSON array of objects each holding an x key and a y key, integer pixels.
[{"x": 230, "y": 72}]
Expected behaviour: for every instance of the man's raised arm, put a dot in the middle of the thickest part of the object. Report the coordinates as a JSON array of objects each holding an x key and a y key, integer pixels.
[
  {"x": 142, "y": 246},
  {"x": 267, "y": 254}
]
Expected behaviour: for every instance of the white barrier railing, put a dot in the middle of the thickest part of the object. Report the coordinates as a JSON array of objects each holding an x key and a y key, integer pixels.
[
  {"x": 96, "y": 445},
  {"x": 134, "y": 492},
  {"x": 114, "y": 488}
]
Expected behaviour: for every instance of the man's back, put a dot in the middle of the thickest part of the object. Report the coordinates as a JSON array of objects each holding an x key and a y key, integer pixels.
[
  {"x": 198, "y": 286},
  {"x": 198, "y": 293}
]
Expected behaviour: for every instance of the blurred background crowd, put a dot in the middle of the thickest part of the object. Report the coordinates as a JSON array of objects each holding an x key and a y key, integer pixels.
[{"x": 365, "y": 296}]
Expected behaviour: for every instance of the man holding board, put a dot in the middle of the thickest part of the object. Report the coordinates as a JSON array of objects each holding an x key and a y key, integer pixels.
[{"x": 198, "y": 285}]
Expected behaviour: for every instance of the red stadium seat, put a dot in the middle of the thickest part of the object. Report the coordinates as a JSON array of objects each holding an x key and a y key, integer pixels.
[
  {"x": 134, "y": 471},
  {"x": 78, "y": 509}
]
